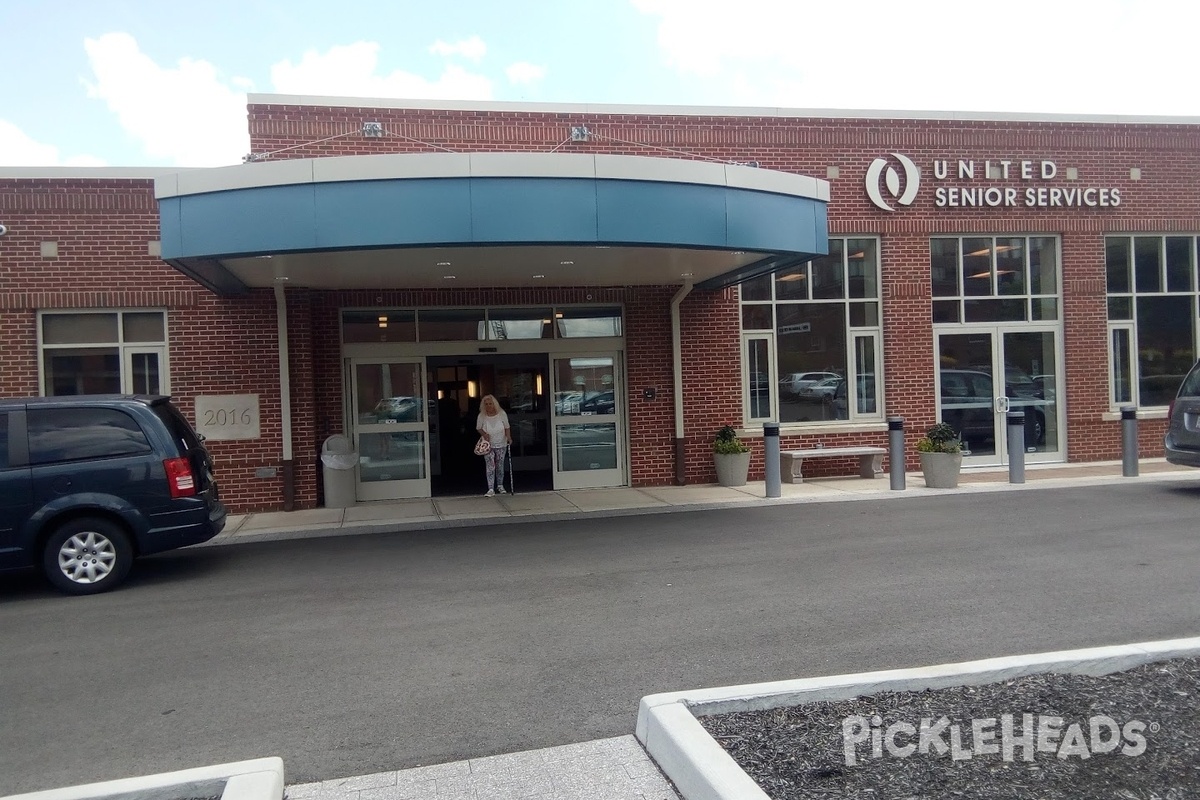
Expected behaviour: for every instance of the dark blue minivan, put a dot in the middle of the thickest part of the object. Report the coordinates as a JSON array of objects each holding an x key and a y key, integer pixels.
[{"x": 90, "y": 482}]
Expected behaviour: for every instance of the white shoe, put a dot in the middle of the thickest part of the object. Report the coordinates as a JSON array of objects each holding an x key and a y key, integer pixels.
[
  {"x": 490, "y": 493},
  {"x": 500, "y": 490}
]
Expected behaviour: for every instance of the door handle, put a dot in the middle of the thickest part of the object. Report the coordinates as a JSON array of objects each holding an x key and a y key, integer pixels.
[{"x": 1001, "y": 405}]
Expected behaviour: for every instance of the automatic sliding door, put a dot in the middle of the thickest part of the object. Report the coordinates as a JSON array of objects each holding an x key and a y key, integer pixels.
[
  {"x": 391, "y": 428},
  {"x": 588, "y": 422}
]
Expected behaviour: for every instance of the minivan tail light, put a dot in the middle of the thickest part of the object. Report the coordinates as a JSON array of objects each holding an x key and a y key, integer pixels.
[{"x": 180, "y": 477}]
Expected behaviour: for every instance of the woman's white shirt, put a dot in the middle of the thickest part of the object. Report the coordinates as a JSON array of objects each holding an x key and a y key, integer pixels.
[{"x": 493, "y": 427}]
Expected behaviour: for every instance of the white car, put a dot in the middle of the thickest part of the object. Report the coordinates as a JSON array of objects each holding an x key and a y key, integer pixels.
[
  {"x": 797, "y": 381},
  {"x": 823, "y": 390}
]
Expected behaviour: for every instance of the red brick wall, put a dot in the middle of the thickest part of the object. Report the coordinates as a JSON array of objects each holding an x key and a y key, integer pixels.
[
  {"x": 1163, "y": 200},
  {"x": 215, "y": 345},
  {"x": 228, "y": 345}
]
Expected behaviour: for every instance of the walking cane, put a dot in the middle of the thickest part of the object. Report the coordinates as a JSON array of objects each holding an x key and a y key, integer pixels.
[{"x": 512, "y": 479}]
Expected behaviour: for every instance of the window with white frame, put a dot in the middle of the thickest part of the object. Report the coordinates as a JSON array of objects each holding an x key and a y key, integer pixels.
[
  {"x": 811, "y": 339},
  {"x": 1152, "y": 316},
  {"x": 994, "y": 278},
  {"x": 103, "y": 352}
]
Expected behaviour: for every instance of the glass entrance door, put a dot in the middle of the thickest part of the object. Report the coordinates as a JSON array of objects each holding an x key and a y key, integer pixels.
[
  {"x": 588, "y": 422},
  {"x": 974, "y": 400},
  {"x": 390, "y": 428}
]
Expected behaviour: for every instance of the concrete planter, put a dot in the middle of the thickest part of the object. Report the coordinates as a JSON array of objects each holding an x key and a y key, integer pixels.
[
  {"x": 941, "y": 469},
  {"x": 702, "y": 770},
  {"x": 732, "y": 468}
]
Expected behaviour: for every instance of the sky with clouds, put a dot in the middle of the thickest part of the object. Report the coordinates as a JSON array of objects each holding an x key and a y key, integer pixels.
[{"x": 159, "y": 83}]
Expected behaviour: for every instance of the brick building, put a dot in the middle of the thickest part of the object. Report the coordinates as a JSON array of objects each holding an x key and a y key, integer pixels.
[{"x": 624, "y": 279}]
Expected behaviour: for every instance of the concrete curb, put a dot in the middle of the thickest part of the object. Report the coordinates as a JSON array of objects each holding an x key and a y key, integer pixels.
[
  {"x": 257, "y": 779},
  {"x": 702, "y": 770}
]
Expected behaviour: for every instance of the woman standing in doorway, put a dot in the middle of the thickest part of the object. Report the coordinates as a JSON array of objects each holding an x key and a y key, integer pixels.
[{"x": 493, "y": 424}]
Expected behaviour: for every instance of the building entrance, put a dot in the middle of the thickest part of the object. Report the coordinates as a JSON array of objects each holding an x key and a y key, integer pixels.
[{"x": 520, "y": 382}]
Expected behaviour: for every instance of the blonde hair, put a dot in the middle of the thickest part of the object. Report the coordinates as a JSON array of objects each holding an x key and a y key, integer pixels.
[{"x": 483, "y": 404}]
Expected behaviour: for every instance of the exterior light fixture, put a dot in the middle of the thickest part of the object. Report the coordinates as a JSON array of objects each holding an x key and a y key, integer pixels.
[
  {"x": 538, "y": 384},
  {"x": 443, "y": 263},
  {"x": 539, "y": 276},
  {"x": 449, "y": 277},
  {"x": 566, "y": 263}
]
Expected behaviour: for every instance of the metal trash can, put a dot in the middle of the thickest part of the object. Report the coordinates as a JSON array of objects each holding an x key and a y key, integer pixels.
[{"x": 338, "y": 461}]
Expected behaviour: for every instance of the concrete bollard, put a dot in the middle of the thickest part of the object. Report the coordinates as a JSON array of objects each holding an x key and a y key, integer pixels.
[
  {"x": 1129, "y": 442},
  {"x": 896, "y": 452},
  {"x": 1016, "y": 446},
  {"x": 771, "y": 454}
]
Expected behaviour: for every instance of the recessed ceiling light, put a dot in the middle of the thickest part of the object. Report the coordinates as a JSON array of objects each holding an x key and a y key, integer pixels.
[
  {"x": 539, "y": 276},
  {"x": 282, "y": 279},
  {"x": 685, "y": 274},
  {"x": 739, "y": 252},
  {"x": 566, "y": 263},
  {"x": 443, "y": 263},
  {"x": 448, "y": 277}
]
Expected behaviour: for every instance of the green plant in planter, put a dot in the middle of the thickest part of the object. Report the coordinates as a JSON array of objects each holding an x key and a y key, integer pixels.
[
  {"x": 941, "y": 438},
  {"x": 726, "y": 442}
]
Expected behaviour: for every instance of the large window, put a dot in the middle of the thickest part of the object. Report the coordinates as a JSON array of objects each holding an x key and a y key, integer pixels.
[
  {"x": 479, "y": 324},
  {"x": 994, "y": 278},
  {"x": 103, "y": 352},
  {"x": 811, "y": 339},
  {"x": 1152, "y": 313}
]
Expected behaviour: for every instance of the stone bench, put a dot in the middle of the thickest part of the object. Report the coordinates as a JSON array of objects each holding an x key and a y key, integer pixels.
[{"x": 870, "y": 460}]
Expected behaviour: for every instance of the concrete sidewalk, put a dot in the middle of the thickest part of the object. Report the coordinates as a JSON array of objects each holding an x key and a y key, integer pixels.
[{"x": 450, "y": 512}]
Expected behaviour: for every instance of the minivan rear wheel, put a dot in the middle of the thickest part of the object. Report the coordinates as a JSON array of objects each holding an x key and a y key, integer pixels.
[{"x": 87, "y": 555}]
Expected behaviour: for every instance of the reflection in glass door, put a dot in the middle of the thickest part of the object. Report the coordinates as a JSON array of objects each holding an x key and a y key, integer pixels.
[
  {"x": 973, "y": 401},
  {"x": 588, "y": 422},
  {"x": 390, "y": 428}
]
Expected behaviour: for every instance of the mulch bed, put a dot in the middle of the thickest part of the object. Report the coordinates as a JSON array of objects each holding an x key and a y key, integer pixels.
[{"x": 1131, "y": 735}]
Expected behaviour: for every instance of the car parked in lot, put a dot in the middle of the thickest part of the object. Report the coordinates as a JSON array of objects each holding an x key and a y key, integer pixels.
[
  {"x": 968, "y": 404},
  {"x": 89, "y": 482},
  {"x": 793, "y": 383},
  {"x": 823, "y": 389},
  {"x": 1182, "y": 440}
]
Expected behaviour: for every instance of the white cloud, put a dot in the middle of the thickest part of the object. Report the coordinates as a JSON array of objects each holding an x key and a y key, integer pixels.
[
  {"x": 1029, "y": 55},
  {"x": 18, "y": 149},
  {"x": 524, "y": 72},
  {"x": 472, "y": 49},
  {"x": 350, "y": 70},
  {"x": 187, "y": 114}
]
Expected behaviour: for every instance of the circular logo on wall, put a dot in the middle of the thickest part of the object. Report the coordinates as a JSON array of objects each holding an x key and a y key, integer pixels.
[{"x": 891, "y": 179}]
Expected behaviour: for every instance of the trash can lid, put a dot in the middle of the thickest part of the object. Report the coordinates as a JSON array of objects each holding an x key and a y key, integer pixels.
[{"x": 337, "y": 444}]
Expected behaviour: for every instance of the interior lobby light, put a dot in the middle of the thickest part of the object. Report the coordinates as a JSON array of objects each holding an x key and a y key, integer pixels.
[
  {"x": 794, "y": 276},
  {"x": 538, "y": 387},
  {"x": 472, "y": 388}
]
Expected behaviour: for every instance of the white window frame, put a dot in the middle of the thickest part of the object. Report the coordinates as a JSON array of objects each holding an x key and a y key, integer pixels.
[
  {"x": 125, "y": 350},
  {"x": 772, "y": 378},
  {"x": 852, "y": 335},
  {"x": 1133, "y": 294}
]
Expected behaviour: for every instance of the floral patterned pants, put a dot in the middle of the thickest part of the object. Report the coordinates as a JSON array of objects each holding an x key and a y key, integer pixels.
[{"x": 494, "y": 460}]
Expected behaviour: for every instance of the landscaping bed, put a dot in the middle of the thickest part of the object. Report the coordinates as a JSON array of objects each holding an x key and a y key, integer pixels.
[{"x": 1127, "y": 735}]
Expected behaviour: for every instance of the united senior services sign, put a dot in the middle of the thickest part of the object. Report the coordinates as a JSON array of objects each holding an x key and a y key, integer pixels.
[{"x": 971, "y": 183}]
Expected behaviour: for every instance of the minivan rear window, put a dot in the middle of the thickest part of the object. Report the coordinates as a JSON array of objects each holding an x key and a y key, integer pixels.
[
  {"x": 72, "y": 434},
  {"x": 181, "y": 431}
]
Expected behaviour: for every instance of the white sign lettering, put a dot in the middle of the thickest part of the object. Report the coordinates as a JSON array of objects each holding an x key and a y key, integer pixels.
[{"x": 972, "y": 193}]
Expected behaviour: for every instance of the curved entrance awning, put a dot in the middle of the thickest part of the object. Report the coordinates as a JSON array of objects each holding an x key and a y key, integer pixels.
[{"x": 487, "y": 220}]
